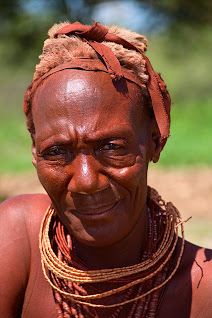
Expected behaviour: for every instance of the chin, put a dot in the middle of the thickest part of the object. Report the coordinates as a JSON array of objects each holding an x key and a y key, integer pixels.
[
  {"x": 98, "y": 234},
  {"x": 98, "y": 227},
  {"x": 97, "y": 239}
]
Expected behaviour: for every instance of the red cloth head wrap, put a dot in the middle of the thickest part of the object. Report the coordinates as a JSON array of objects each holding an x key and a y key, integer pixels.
[{"x": 94, "y": 35}]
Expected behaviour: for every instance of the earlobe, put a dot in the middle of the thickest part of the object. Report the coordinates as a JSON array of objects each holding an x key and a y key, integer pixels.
[
  {"x": 34, "y": 153},
  {"x": 157, "y": 149},
  {"x": 157, "y": 143}
]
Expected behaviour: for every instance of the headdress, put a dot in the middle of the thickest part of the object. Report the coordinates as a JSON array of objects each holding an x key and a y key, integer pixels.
[{"x": 95, "y": 36}]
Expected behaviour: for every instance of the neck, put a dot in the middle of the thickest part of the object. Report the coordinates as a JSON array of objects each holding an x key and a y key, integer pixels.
[{"x": 126, "y": 252}]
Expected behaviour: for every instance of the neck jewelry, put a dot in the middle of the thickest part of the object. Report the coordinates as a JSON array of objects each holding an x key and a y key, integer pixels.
[{"x": 141, "y": 283}]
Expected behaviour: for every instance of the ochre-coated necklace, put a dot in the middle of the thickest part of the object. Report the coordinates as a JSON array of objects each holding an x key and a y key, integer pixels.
[{"x": 141, "y": 284}]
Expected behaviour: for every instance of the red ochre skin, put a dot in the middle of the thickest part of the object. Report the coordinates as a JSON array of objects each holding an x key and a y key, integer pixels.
[{"x": 91, "y": 149}]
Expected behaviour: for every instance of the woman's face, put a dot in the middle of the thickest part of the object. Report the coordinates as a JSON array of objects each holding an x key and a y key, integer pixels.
[{"x": 91, "y": 149}]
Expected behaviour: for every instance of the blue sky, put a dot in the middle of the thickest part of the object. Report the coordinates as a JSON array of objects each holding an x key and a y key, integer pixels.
[
  {"x": 125, "y": 13},
  {"x": 129, "y": 14}
]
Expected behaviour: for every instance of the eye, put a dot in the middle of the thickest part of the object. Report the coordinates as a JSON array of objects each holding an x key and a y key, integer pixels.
[
  {"x": 57, "y": 153},
  {"x": 116, "y": 153},
  {"x": 111, "y": 146}
]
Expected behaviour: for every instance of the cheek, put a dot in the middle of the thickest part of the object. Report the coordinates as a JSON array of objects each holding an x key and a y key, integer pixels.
[
  {"x": 131, "y": 177},
  {"x": 52, "y": 177}
]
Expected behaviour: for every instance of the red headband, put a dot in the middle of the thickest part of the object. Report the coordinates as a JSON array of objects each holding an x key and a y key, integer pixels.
[{"x": 97, "y": 33}]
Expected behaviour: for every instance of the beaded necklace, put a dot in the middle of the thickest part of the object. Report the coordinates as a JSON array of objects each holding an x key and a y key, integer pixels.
[{"x": 139, "y": 284}]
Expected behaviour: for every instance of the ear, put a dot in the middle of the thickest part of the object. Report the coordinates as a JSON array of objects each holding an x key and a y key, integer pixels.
[
  {"x": 157, "y": 143},
  {"x": 34, "y": 153}
]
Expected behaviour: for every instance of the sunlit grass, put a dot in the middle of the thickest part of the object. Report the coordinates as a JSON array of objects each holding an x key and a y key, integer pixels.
[
  {"x": 191, "y": 131},
  {"x": 14, "y": 138},
  {"x": 15, "y": 143}
]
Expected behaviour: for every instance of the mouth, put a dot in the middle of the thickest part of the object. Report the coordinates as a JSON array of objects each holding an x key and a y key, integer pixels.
[{"x": 96, "y": 212}]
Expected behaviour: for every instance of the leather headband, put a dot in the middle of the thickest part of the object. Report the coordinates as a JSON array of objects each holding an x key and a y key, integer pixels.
[
  {"x": 96, "y": 34},
  {"x": 87, "y": 64}
]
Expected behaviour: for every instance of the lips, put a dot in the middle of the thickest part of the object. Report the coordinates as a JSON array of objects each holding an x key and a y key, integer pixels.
[
  {"x": 94, "y": 204},
  {"x": 96, "y": 209}
]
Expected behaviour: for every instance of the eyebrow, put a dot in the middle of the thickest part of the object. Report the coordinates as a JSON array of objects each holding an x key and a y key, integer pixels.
[{"x": 124, "y": 132}]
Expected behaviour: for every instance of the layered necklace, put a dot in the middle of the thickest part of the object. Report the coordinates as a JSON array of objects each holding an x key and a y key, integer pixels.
[{"x": 139, "y": 285}]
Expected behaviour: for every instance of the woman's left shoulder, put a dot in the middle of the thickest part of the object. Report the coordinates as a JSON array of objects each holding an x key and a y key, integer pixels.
[
  {"x": 200, "y": 258},
  {"x": 201, "y": 279}
]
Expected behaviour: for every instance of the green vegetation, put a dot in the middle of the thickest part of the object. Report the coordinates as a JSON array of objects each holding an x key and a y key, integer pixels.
[
  {"x": 15, "y": 144},
  {"x": 190, "y": 139},
  {"x": 184, "y": 61},
  {"x": 14, "y": 138}
]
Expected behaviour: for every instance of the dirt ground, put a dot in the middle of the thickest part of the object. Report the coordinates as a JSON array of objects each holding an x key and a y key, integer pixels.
[{"x": 189, "y": 189}]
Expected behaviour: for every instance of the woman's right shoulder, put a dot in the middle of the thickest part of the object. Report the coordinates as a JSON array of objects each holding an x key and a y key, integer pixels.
[
  {"x": 21, "y": 216},
  {"x": 20, "y": 219},
  {"x": 24, "y": 210}
]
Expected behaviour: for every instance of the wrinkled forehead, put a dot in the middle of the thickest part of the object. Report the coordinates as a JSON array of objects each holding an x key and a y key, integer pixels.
[
  {"x": 84, "y": 97},
  {"x": 81, "y": 86}
]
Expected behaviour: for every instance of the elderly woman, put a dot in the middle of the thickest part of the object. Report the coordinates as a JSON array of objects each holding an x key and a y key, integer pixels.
[{"x": 101, "y": 243}]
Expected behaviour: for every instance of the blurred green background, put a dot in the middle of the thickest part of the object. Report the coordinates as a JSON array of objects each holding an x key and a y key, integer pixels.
[{"x": 180, "y": 45}]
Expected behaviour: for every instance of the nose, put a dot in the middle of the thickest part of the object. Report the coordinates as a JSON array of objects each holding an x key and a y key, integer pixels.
[{"x": 87, "y": 177}]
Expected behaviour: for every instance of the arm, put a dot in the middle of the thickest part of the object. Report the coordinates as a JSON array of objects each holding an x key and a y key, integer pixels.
[
  {"x": 20, "y": 219},
  {"x": 15, "y": 257}
]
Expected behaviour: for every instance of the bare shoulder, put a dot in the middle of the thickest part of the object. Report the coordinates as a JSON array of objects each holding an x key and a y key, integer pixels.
[
  {"x": 24, "y": 204},
  {"x": 188, "y": 293},
  {"x": 199, "y": 259},
  {"x": 22, "y": 211},
  {"x": 20, "y": 219},
  {"x": 195, "y": 273},
  {"x": 21, "y": 214},
  {"x": 201, "y": 279}
]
